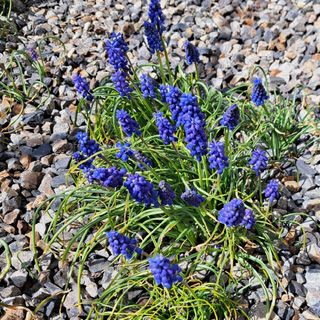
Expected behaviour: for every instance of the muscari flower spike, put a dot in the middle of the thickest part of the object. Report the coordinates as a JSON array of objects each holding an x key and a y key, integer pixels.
[
  {"x": 171, "y": 95},
  {"x": 142, "y": 160},
  {"x": 165, "y": 273},
  {"x": 148, "y": 86},
  {"x": 231, "y": 117},
  {"x": 141, "y": 190},
  {"x": 248, "y": 219},
  {"x": 117, "y": 48},
  {"x": 121, "y": 244},
  {"x": 125, "y": 151},
  {"x": 153, "y": 37},
  {"x": 109, "y": 177},
  {"x": 192, "y": 119},
  {"x": 128, "y": 125},
  {"x": 166, "y": 129},
  {"x": 232, "y": 213},
  {"x": 119, "y": 79},
  {"x": 271, "y": 191},
  {"x": 192, "y": 53},
  {"x": 217, "y": 158},
  {"x": 87, "y": 148},
  {"x": 259, "y": 94},
  {"x": 259, "y": 161},
  {"x": 156, "y": 15},
  {"x": 33, "y": 54},
  {"x": 82, "y": 87},
  {"x": 166, "y": 194},
  {"x": 192, "y": 198}
]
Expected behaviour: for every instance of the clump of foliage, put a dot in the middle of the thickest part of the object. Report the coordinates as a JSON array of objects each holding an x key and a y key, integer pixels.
[{"x": 179, "y": 179}]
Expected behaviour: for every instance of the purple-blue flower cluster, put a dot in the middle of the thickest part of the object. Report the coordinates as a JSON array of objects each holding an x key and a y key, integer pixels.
[
  {"x": 153, "y": 37},
  {"x": 117, "y": 48},
  {"x": 192, "y": 53},
  {"x": 156, "y": 16},
  {"x": 87, "y": 148},
  {"x": 171, "y": 95},
  {"x": 164, "y": 272},
  {"x": 119, "y": 79},
  {"x": 141, "y": 190},
  {"x": 271, "y": 191},
  {"x": 192, "y": 198},
  {"x": 231, "y": 117},
  {"x": 166, "y": 194},
  {"x": 166, "y": 129},
  {"x": 259, "y": 94},
  {"x": 234, "y": 214},
  {"x": 248, "y": 220},
  {"x": 142, "y": 160},
  {"x": 217, "y": 158},
  {"x": 125, "y": 151},
  {"x": 193, "y": 123},
  {"x": 108, "y": 177},
  {"x": 259, "y": 161},
  {"x": 121, "y": 244},
  {"x": 129, "y": 126},
  {"x": 33, "y": 54},
  {"x": 82, "y": 87},
  {"x": 148, "y": 86}
]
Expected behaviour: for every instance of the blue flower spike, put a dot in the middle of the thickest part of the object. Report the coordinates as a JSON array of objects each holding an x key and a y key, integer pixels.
[
  {"x": 259, "y": 94},
  {"x": 165, "y": 273}
]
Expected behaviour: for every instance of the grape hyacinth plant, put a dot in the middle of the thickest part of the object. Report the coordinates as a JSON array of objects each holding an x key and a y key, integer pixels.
[
  {"x": 259, "y": 161},
  {"x": 82, "y": 87},
  {"x": 259, "y": 94},
  {"x": 176, "y": 163},
  {"x": 121, "y": 244},
  {"x": 165, "y": 273},
  {"x": 271, "y": 191}
]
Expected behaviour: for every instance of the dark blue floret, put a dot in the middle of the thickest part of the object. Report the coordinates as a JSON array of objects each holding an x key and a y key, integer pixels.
[
  {"x": 192, "y": 198},
  {"x": 109, "y": 177},
  {"x": 82, "y": 87},
  {"x": 121, "y": 244},
  {"x": 259, "y": 94},
  {"x": 125, "y": 151},
  {"x": 87, "y": 148},
  {"x": 232, "y": 213},
  {"x": 148, "y": 86},
  {"x": 128, "y": 125},
  {"x": 153, "y": 37},
  {"x": 192, "y": 53},
  {"x": 166, "y": 194},
  {"x": 248, "y": 220},
  {"x": 259, "y": 161},
  {"x": 142, "y": 160},
  {"x": 171, "y": 95},
  {"x": 231, "y": 117},
  {"x": 271, "y": 191},
  {"x": 119, "y": 79},
  {"x": 156, "y": 16},
  {"x": 141, "y": 190},
  {"x": 117, "y": 48},
  {"x": 217, "y": 158},
  {"x": 164, "y": 272},
  {"x": 166, "y": 129}
]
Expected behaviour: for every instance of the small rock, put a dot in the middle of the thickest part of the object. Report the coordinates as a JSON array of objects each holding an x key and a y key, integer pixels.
[
  {"x": 11, "y": 217},
  {"x": 30, "y": 180},
  {"x": 61, "y": 146},
  {"x": 22, "y": 260},
  {"x": 305, "y": 169},
  {"x": 19, "y": 278}
]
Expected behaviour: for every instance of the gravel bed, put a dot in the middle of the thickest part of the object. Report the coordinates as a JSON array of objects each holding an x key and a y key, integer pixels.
[{"x": 281, "y": 36}]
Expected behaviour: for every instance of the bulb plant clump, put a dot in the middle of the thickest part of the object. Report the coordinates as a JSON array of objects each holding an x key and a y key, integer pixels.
[{"x": 175, "y": 177}]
